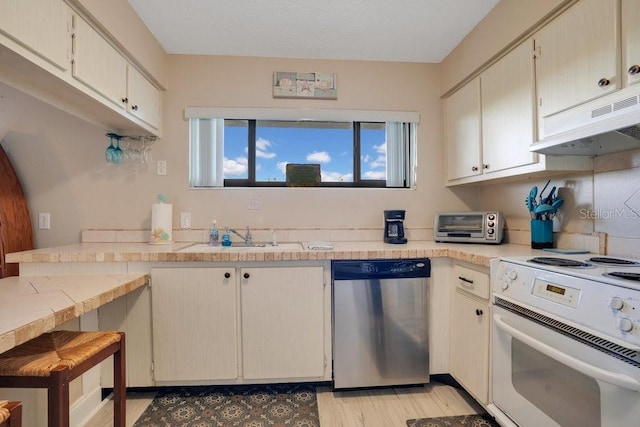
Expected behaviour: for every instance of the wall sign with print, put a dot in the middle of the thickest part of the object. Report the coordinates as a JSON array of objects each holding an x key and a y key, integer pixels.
[{"x": 287, "y": 84}]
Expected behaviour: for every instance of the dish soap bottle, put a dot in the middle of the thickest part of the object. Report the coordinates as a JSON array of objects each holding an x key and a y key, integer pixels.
[
  {"x": 213, "y": 234},
  {"x": 226, "y": 239}
]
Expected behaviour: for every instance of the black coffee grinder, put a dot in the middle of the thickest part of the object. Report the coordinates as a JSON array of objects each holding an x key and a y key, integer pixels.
[{"x": 394, "y": 227}]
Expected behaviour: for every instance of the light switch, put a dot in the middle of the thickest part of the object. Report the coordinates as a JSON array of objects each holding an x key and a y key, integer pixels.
[
  {"x": 44, "y": 221},
  {"x": 185, "y": 220}
]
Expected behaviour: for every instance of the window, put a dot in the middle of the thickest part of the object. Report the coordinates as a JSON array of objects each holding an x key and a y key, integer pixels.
[{"x": 240, "y": 152}]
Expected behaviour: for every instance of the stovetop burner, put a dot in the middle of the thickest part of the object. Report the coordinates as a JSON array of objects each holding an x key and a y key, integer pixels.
[
  {"x": 624, "y": 275},
  {"x": 613, "y": 261},
  {"x": 560, "y": 262}
]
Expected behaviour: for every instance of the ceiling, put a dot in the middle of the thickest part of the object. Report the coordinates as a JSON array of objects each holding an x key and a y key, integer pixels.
[{"x": 376, "y": 30}]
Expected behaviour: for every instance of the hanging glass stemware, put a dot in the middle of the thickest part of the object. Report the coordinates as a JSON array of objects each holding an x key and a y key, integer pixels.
[
  {"x": 111, "y": 148},
  {"x": 118, "y": 155}
]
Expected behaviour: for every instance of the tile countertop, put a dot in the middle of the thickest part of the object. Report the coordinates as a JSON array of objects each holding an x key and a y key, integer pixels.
[
  {"x": 124, "y": 252},
  {"x": 32, "y": 305},
  {"x": 53, "y": 300}
]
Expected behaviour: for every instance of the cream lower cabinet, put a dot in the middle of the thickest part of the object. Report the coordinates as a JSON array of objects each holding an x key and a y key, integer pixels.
[
  {"x": 283, "y": 327},
  {"x": 469, "y": 341},
  {"x": 194, "y": 324},
  {"x": 240, "y": 324}
]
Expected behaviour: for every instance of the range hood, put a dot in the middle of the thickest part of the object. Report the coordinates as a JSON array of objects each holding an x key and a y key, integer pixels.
[{"x": 606, "y": 125}]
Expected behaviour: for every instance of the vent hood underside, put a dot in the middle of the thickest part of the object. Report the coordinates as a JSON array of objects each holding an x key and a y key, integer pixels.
[{"x": 606, "y": 125}]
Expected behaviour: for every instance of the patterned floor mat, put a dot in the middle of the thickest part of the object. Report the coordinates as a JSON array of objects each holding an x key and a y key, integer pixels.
[
  {"x": 480, "y": 420},
  {"x": 245, "y": 406}
]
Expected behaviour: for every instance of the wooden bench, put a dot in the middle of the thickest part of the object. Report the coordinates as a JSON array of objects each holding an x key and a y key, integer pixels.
[{"x": 53, "y": 359}]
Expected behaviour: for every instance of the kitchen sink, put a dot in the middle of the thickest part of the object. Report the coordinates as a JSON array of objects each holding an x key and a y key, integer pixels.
[{"x": 242, "y": 247}]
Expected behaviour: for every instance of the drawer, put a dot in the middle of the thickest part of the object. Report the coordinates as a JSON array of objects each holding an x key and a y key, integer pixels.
[{"x": 472, "y": 281}]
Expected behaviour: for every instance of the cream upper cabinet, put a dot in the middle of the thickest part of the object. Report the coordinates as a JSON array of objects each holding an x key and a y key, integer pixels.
[
  {"x": 194, "y": 324},
  {"x": 577, "y": 56},
  {"x": 631, "y": 41},
  {"x": 284, "y": 323},
  {"x": 143, "y": 99},
  {"x": 462, "y": 127},
  {"x": 507, "y": 105},
  {"x": 469, "y": 338},
  {"x": 98, "y": 64},
  {"x": 42, "y": 26}
]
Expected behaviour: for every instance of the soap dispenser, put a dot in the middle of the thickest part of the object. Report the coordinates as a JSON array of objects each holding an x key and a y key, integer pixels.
[
  {"x": 226, "y": 238},
  {"x": 213, "y": 234}
]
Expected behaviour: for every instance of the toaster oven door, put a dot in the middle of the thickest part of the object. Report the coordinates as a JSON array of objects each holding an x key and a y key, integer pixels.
[{"x": 468, "y": 225}]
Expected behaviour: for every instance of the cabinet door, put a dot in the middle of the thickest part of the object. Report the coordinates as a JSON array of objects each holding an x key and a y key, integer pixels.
[
  {"x": 194, "y": 324},
  {"x": 143, "y": 98},
  {"x": 469, "y": 348},
  {"x": 462, "y": 115},
  {"x": 574, "y": 53},
  {"x": 631, "y": 41},
  {"x": 507, "y": 111},
  {"x": 282, "y": 322},
  {"x": 97, "y": 64},
  {"x": 44, "y": 26}
]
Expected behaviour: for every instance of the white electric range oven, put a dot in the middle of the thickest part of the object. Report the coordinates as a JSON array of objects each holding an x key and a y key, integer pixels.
[{"x": 565, "y": 344}]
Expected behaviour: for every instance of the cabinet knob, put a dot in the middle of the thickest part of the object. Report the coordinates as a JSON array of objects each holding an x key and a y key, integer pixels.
[
  {"x": 603, "y": 82},
  {"x": 227, "y": 275},
  {"x": 134, "y": 107},
  {"x": 634, "y": 69},
  {"x": 246, "y": 275},
  {"x": 474, "y": 169},
  {"x": 485, "y": 166},
  {"x": 125, "y": 100},
  {"x": 479, "y": 312}
]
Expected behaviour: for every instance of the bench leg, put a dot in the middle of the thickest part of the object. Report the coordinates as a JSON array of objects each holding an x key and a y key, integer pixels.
[{"x": 58, "y": 397}]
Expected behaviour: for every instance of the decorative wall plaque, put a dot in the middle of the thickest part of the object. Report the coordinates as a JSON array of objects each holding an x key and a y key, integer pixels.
[{"x": 287, "y": 84}]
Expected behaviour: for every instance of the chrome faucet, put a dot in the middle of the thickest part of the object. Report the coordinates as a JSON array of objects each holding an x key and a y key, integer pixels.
[{"x": 248, "y": 239}]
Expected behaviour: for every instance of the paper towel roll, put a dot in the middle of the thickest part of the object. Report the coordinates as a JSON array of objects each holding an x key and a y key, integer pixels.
[{"x": 161, "y": 223}]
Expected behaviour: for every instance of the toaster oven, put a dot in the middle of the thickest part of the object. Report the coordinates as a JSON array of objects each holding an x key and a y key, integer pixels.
[{"x": 468, "y": 227}]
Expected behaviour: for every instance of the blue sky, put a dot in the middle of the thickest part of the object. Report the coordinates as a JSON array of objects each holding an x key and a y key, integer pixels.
[{"x": 331, "y": 148}]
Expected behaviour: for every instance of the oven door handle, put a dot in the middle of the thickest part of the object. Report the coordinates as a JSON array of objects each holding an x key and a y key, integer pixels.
[{"x": 620, "y": 380}]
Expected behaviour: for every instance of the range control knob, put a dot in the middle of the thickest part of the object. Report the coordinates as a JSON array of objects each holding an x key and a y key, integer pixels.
[
  {"x": 513, "y": 275},
  {"x": 504, "y": 285},
  {"x": 625, "y": 325},
  {"x": 616, "y": 303}
]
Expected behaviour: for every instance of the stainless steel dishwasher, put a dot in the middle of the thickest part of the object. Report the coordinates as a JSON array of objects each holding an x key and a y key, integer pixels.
[{"x": 380, "y": 322}]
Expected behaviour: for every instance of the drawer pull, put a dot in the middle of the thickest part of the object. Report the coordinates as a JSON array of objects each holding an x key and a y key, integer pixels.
[
  {"x": 464, "y": 279},
  {"x": 227, "y": 275},
  {"x": 479, "y": 312}
]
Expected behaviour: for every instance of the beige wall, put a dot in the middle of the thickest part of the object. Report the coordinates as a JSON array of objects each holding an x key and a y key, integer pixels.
[{"x": 60, "y": 159}]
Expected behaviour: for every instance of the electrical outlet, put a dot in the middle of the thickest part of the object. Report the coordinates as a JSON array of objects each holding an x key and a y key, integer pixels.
[
  {"x": 254, "y": 204},
  {"x": 44, "y": 221},
  {"x": 162, "y": 167},
  {"x": 185, "y": 220}
]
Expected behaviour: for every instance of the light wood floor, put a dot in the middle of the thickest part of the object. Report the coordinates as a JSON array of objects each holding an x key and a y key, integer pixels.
[{"x": 388, "y": 407}]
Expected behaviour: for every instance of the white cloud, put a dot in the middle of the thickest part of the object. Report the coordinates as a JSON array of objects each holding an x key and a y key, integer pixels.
[
  {"x": 336, "y": 177},
  {"x": 262, "y": 149},
  {"x": 319, "y": 157},
  {"x": 235, "y": 167},
  {"x": 282, "y": 166},
  {"x": 375, "y": 175},
  {"x": 381, "y": 160}
]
